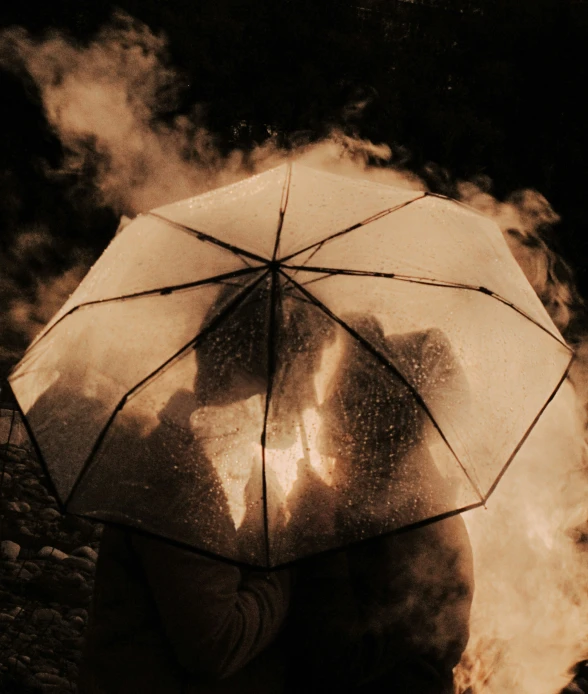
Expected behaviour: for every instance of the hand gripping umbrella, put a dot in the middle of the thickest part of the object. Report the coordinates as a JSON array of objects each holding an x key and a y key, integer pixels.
[{"x": 289, "y": 364}]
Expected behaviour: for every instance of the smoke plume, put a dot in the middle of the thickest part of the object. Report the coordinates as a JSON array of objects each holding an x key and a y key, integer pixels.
[{"x": 112, "y": 102}]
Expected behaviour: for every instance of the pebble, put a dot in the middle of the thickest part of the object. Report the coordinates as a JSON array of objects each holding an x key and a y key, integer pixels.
[
  {"x": 49, "y": 514},
  {"x": 75, "y": 578},
  {"x": 27, "y": 638},
  {"x": 45, "y": 629},
  {"x": 32, "y": 568},
  {"x": 50, "y": 678},
  {"x": 16, "y": 664},
  {"x": 51, "y": 553},
  {"x": 46, "y": 614},
  {"x": 5, "y": 479},
  {"x": 79, "y": 563},
  {"x": 78, "y": 612},
  {"x": 31, "y": 482},
  {"x": 86, "y": 552},
  {"x": 78, "y": 622},
  {"x": 18, "y": 506},
  {"x": 9, "y": 550}
]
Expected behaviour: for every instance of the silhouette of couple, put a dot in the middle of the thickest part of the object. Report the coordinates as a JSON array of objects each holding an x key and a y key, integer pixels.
[
  {"x": 345, "y": 458},
  {"x": 370, "y": 429}
]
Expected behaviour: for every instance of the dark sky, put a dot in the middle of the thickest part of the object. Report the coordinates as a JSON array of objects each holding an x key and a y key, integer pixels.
[{"x": 487, "y": 90}]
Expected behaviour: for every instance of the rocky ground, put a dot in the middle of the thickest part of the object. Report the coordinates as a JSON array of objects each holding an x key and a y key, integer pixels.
[{"x": 46, "y": 579}]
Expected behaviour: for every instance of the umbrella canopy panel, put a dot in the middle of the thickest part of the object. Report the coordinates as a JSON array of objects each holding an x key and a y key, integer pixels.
[
  {"x": 431, "y": 240},
  {"x": 163, "y": 256},
  {"x": 305, "y": 205}
]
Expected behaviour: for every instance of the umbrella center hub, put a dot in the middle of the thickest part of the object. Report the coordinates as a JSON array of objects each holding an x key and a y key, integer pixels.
[{"x": 273, "y": 265}]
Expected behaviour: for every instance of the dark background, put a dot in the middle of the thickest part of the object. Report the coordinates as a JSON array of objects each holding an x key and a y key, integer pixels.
[{"x": 470, "y": 89}]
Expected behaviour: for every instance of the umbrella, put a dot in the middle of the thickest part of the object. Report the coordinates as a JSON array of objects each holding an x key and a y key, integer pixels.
[{"x": 290, "y": 364}]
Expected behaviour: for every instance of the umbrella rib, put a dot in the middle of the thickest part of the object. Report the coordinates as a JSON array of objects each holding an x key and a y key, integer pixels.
[
  {"x": 271, "y": 370},
  {"x": 337, "y": 234},
  {"x": 286, "y": 565},
  {"x": 429, "y": 282},
  {"x": 149, "y": 292},
  {"x": 283, "y": 206},
  {"x": 210, "y": 239},
  {"x": 189, "y": 345},
  {"x": 531, "y": 427},
  {"x": 384, "y": 360},
  {"x": 39, "y": 454}
]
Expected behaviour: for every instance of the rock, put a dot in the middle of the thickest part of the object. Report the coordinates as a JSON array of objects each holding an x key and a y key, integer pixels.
[
  {"x": 24, "y": 575},
  {"x": 78, "y": 622},
  {"x": 86, "y": 552},
  {"x": 49, "y": 514},
  {"x": 18, "y": 506},
  {"x": 32, "y": 568},
  {"x": 79, "y": 563},
  {"x": 26, "y": 638},
  {"x": 75, "y": 578},
  {"x": 52, "y": 678},
  {"x": 9, "y": 550},
  {"x": 27, "y": 531},
  {"x": 51, "y": 553},
  {"x": 5, "y": 617},
  {"x": 31, "y": 482},
  {"x": 46, "y": 615},
  {"x": 16, "y": 664},
  {"x": 5, "y": 479},
  {"x": 78, "y": 612}
]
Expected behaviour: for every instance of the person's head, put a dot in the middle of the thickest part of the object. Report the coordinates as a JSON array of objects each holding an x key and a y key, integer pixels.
[
  {"x": 247, "y": 346},
  {"x": 232, "y": 358},
  {"x": 372, "y": 418}
]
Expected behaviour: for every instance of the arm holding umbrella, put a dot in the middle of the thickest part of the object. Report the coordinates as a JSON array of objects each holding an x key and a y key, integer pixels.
[{"x": 217, "y": 617}]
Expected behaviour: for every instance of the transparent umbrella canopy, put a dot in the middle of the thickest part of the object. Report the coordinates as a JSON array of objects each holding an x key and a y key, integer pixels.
[{"x": 291, "y": 364}]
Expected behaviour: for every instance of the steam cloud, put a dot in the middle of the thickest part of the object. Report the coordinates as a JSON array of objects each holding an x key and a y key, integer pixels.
[{"x": 111, "y": 102}]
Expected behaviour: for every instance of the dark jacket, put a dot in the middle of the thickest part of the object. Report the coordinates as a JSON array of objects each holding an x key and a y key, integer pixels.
[
  {"x": 169, "y": 621},
  {"x": 389, "y": 615}
]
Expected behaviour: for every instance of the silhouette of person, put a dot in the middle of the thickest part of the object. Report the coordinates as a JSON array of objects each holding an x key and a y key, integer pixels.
[
  {"x": 391, "y": 613},
  {"x": 167, "y": 619}
]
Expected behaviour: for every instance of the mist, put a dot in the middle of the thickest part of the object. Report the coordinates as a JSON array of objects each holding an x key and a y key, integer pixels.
[{"x": 113, "y": 101}]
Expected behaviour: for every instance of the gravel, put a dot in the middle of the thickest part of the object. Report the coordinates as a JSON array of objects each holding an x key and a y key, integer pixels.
[{"x": 47, "y": 564}]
